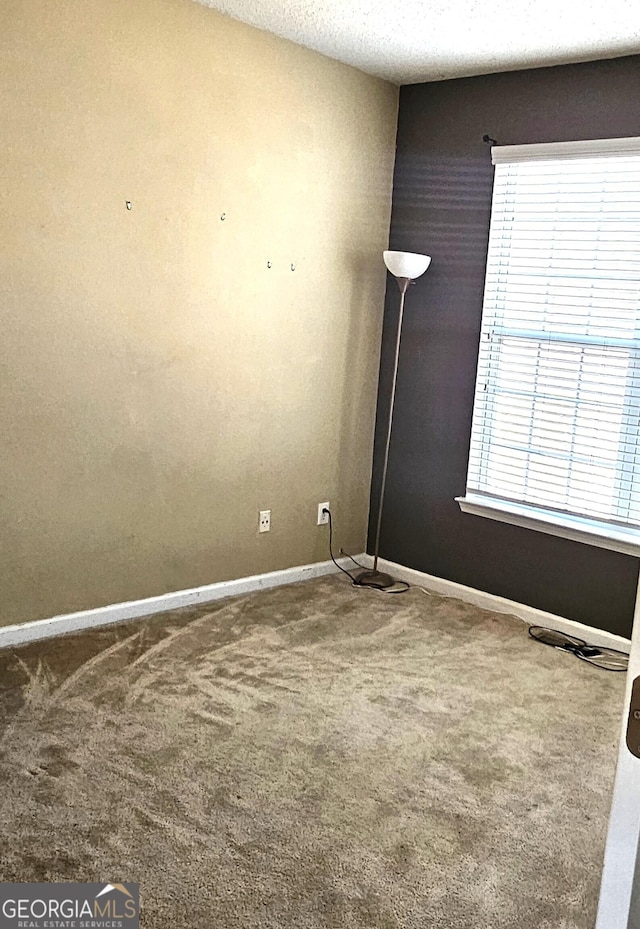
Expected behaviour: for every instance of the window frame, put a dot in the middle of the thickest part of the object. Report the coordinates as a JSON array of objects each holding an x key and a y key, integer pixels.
[{"x": 595, "y": 532}]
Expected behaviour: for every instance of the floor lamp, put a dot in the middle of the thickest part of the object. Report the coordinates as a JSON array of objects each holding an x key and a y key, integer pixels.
[{"x": 405, "y": 267}]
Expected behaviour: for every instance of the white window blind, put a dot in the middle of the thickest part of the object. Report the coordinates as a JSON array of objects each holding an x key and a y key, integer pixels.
[{"x": 556, "y": 417}]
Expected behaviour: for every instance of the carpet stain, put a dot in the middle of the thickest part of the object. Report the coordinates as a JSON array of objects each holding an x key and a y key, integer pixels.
[{"x": 315, "y": 757}]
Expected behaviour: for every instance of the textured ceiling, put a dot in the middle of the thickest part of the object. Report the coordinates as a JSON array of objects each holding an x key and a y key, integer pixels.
[{"x": 408, "y": 41}]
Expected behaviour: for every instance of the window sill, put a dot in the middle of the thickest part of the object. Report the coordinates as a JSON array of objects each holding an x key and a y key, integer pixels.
[{"x": 602, "y": 535}]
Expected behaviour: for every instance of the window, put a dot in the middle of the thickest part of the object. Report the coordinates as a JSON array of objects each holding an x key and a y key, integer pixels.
[{"x": 555, "y": 437}]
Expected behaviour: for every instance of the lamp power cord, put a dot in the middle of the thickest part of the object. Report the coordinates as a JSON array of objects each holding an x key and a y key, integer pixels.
[{"x": 400, "y": 588}]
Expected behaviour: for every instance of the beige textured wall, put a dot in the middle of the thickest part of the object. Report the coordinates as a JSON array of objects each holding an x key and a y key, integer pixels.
[{"x": 158, "y": 383}]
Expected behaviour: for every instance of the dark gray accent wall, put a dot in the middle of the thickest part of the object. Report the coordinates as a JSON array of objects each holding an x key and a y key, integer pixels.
[{"x": 441, "y": 207}]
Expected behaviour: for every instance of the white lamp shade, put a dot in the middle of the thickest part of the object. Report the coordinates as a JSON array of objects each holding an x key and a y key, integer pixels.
[{"x": 406, "y": 264}]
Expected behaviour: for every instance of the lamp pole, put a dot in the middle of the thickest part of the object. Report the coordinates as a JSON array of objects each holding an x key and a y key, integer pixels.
[
  {"x": 405, "y": 266},
  {"x": 403, "y": 283}
]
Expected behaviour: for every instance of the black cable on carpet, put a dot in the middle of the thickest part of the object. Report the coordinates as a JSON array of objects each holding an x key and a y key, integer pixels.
[{"x": 607, "y": 659}]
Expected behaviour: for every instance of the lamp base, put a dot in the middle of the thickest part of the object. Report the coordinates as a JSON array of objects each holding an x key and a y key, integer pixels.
[{"x": 375, "y": 579}]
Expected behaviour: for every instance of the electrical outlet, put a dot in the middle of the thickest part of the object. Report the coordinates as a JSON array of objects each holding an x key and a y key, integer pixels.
[
  {"x": 323, "y": 518},
  {"x": 264, "y": 522}
]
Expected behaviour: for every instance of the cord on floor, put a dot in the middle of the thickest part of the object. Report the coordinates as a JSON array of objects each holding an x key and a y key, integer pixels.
[
  {"x": 606, "y": 659},
  {"x": 400, "y": 587}
]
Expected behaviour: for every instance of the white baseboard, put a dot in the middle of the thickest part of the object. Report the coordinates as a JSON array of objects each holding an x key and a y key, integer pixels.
[
  {"x": 22, "y": 633},
  {"x": 134, "y": 609},
  {"x": 528, "y": 614}
]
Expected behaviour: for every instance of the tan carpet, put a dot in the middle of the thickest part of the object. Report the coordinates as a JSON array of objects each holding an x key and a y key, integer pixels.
[{"x": 313, "y": 756}]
